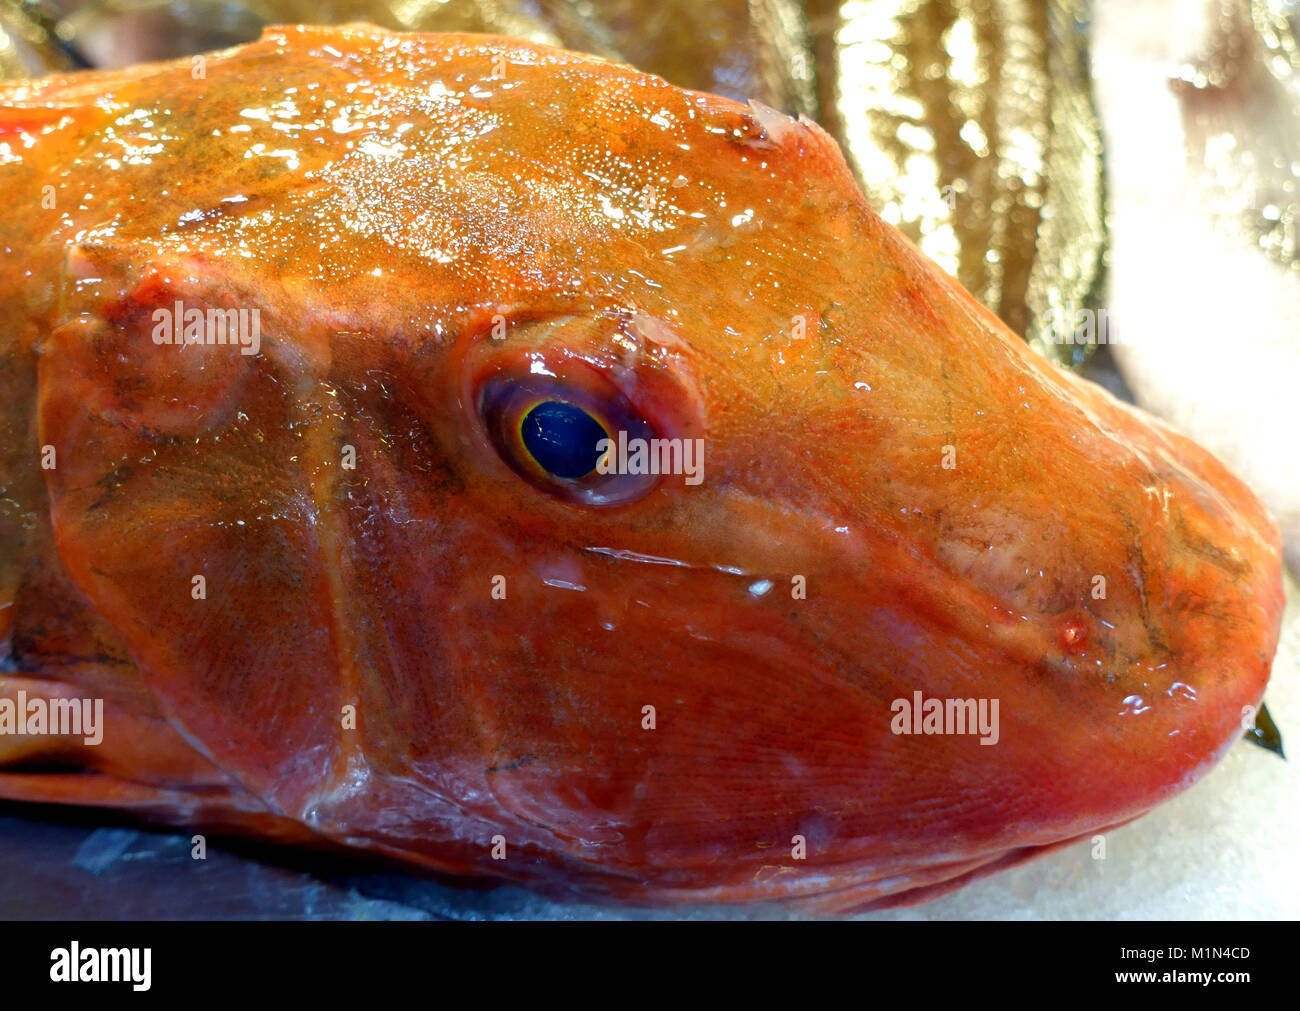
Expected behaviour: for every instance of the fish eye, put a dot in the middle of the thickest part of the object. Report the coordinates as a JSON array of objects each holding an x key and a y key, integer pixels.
[
  {"x": 561, "y": 434},
  {"x": 563, "y": 439}
]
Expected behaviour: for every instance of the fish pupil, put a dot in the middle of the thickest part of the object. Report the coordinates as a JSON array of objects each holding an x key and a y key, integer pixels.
[{"x": 563, "y": 439}]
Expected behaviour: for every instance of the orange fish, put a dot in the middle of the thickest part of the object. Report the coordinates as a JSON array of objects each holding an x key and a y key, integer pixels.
[{"x": 502, "y": 460}]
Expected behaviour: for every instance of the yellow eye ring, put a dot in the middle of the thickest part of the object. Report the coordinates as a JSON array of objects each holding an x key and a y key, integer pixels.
[
  {"x": 563, "y": 439},
  {"x": 558, "y": 433}
]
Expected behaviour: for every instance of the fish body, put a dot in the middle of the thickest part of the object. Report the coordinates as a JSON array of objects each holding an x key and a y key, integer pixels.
[{"x": 303, "y": 341}]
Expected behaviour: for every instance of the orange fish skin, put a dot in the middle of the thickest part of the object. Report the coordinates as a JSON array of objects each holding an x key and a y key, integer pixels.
[{"x": 413, "y": 215}]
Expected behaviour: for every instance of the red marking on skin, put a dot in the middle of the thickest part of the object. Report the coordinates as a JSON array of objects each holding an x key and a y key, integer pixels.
[
  {"x": 33, "y": 120},
  {"x": 1074, "y": 636},
  {"x": 150, "y": 291},
  {"x": 15, "y": 122},
  {"x": 921, "y": 304}
]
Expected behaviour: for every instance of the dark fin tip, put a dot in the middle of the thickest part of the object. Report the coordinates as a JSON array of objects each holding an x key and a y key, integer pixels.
[{"x": 1265, "y": 733}]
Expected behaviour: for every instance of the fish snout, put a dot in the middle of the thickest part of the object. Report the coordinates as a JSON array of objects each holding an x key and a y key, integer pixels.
[
  {"x": 1154, "y": 606},
  {"x": 1104, "y": 588}
]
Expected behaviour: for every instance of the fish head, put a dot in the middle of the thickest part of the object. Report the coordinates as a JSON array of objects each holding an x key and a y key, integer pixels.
[{"x": 615, "y": 494}]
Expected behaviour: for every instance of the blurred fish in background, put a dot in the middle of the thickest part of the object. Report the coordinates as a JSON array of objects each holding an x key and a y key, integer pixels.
[{"x": 1201, "y": 103}]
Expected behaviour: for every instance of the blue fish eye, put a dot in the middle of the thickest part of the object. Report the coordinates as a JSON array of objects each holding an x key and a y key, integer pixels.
[
  {"x": 548, "y": 430},
  {"x": 563, "y": 439}
]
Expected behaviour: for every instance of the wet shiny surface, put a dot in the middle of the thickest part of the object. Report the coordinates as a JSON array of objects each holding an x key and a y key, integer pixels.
[
  {"x": 380, "y": 200},
  {"x": 969, "y": 124}
]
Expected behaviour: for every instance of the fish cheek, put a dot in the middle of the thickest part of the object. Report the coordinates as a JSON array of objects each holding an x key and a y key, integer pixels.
[{"x": 191, "y": 529}]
